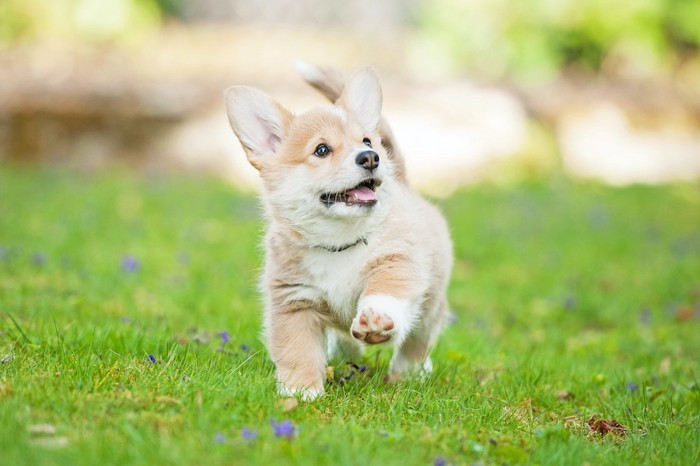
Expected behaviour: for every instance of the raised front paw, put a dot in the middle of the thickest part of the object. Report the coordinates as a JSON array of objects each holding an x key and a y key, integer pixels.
[{"x": 372, "y": 326}]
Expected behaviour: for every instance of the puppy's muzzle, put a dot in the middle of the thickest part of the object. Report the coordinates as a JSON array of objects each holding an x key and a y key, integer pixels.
[{"x": 368, "y": 160}]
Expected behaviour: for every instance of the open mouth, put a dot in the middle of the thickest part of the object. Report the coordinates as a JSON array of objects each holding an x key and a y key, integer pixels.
[{"x": 362, "y": 195}]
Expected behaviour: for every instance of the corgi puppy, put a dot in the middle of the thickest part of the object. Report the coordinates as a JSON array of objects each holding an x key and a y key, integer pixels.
[{"x": 353, "y": 256}]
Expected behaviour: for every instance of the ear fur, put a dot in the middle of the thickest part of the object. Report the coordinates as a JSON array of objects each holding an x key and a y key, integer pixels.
[
  {"x": 258, "y": 121},
  {"x": 362, "y": 96}
]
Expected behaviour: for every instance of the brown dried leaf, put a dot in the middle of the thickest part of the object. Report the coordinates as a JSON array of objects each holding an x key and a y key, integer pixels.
[
  {"x": 606, "y": 426},
  {"x": 684, "y": 313},
  {"x": 182, "y": 340},
  {"x": 565, "y": 395},
  {"x": 288, "y": 404}
]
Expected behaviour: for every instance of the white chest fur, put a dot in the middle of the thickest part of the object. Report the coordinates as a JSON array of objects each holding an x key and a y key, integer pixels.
[{"x": 337, "y": 277}]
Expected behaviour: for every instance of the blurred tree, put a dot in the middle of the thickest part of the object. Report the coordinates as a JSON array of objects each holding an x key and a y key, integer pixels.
[
  {"x": 15, "y": 19},
  {"x": 536, "y": 39},
  {"x": 171, "y": 8},
  {"x": 81, "y": 19}
]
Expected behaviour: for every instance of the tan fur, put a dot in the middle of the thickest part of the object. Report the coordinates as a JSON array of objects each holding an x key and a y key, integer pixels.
[
  {"x": 296, "y": 327},
  {"x": 388, "y": 282},
  {"x": 330, "y": 82}
]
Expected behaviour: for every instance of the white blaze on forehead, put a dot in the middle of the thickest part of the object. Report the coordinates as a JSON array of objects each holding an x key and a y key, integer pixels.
[{"x": 340, "y": 113}]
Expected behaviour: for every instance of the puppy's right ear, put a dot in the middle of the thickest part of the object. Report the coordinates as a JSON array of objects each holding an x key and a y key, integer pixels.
[{"x": 259, "y": 122}]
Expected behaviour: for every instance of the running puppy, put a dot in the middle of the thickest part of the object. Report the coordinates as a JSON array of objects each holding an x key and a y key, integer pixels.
[{"x": 354, "y": 257}]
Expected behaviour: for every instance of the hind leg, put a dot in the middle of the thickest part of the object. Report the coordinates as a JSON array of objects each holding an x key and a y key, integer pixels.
[{"x": 413, "y": 355}]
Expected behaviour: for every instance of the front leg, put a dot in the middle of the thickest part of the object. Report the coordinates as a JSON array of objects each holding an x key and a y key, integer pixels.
[
  {"x": 388, "y": 306},
  {"x": 295, "y": 339}
]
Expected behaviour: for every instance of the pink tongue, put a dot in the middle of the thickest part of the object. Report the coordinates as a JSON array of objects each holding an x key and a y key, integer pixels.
[{"x": 362, "y": 194}]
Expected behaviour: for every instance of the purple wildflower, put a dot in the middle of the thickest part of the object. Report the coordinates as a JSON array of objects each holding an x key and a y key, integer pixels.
[
  {"x": 440, "y": 461},
  {"x": 645, "y": 316},
  {"x": 225, "y": 336},
  {"x": 152, "y": 358},
  {"x": 481, "y": 323},
  {"x": 130, "y": 264},
  {"x": 284, "y": 429},
  {"x": 632, "y": 387},
  {"x": 249, "y": 434},
  {"x": 219, "y": 437},
  {"x": 569, "y": 302},
  {"x": 245, "y": 347},
  {"x": 452, "y": 318},
  {"x": 39, "y": 259},
  {"x": 363, "y": 368},
  {"x": 183, "y": 258}
]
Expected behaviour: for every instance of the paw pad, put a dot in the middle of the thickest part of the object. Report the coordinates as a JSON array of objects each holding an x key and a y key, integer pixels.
[{"x": 372, "y": 327}]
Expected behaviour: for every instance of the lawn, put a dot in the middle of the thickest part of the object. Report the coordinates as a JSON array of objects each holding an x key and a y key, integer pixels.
[{"x": 130, "y": 320}]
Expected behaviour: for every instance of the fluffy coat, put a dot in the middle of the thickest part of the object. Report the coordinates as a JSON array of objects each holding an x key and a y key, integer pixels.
[{"x": 353, "y": 256}]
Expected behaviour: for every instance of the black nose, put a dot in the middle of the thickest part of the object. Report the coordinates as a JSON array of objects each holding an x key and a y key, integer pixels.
[{"x": 367, "y": 159}]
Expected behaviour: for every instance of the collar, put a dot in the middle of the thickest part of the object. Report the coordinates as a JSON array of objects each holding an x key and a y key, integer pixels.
[{"x": 343, "y": 247}]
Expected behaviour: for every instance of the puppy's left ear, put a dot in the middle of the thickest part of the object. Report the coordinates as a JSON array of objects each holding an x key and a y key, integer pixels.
[{"x": 362, "y": 96}]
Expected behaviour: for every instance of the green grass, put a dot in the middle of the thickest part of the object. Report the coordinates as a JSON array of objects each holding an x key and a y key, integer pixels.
[{"x": 558, "y": 287}]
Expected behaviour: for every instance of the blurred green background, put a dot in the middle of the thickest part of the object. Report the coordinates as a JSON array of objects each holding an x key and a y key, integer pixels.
[
  {"x": 475, "y": 90},
  {"x": 123, "y": 263},
  {"x": 504, "y": 89},
  {"x": 532, "y": 39}
]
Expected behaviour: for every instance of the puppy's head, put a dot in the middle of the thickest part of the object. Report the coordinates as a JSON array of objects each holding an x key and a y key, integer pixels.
[{"x": 328, "y": 162}]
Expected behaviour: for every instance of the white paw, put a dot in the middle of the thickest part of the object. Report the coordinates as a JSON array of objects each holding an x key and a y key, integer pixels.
[
  {"x": 401, "y": 366},
  {"x": 306, "y": 394},
  {"x": 381, "y": 318}
]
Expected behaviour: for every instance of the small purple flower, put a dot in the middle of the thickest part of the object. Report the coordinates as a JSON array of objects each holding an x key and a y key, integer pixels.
[
  {"x": 249, "y": 434},
  {"x": 219, "y": 437},
  {"x": 452, "y": 318},
  {"x": 481, "y": 323},
  {"x": 632, "y": 387},
  {"x": 130, "y": 264},
  {"x": 284, "y": 429},
  {"x": 39, "y": 259},
  {"x": 225, "y": 336},
  {"x": 569, "y": 302},
  {"x": 183, "y": 258},
  {"x": 440, "y": 461},
  {"x": 645, "y": 316},
  {"x": 152, "y": 359},
  {"x": 363, "y": 367},
  {"x": 245, "y": 347}
]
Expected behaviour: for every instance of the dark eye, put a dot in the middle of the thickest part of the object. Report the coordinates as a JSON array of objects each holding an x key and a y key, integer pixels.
[
  {"x": 367, "y": 142},
  {"x": 322, "y": 151}
]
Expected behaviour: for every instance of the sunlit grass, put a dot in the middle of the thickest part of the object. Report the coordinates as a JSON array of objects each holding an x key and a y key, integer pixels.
[{"x": 570, "y": 300}]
